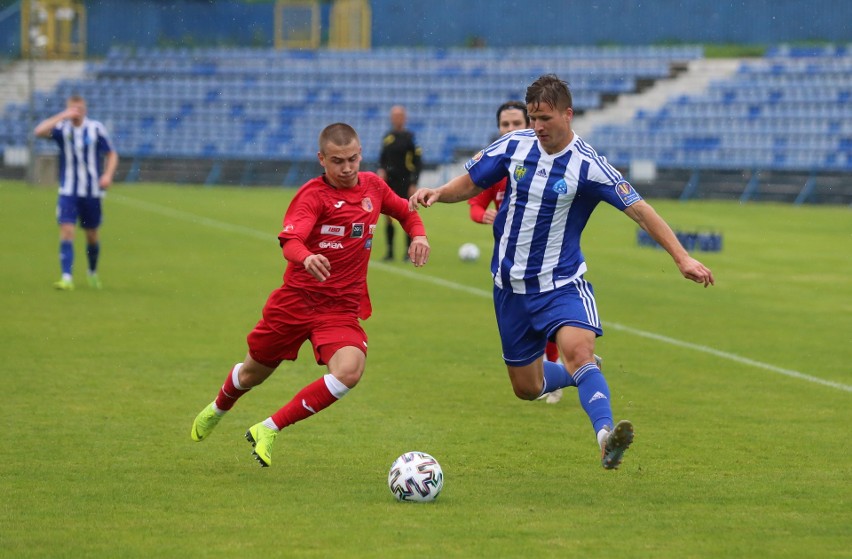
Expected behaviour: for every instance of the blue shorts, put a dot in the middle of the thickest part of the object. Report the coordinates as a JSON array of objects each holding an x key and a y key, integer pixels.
[
  {"x": 71, "y": 208},
  {"x": 526, "y": 322}
]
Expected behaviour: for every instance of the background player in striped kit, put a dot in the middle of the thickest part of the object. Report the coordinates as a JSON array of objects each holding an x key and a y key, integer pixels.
[
  {"x": 555, "y": 181},
  {"x": 326, "y": 239},
  {"x": 84, "y": 150}
]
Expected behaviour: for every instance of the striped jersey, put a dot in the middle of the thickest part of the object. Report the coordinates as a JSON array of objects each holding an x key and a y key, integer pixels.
[
  {"x": 550, "y": 199},
  {"x": 81, "y": 151}
]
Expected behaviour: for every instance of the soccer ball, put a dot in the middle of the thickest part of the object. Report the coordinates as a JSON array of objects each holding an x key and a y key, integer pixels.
[
  {"x": 416, "y": 476},
  {"x": 468, "y": 252}
]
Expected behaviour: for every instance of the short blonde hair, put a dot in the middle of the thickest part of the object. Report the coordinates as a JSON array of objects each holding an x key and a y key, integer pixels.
[{"x": 339, "y": 134}]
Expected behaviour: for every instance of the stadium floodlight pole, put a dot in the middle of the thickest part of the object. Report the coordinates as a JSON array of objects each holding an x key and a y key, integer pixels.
[
  {"x": 33, "y": 34},
  {"x": 36, "y": 42}
]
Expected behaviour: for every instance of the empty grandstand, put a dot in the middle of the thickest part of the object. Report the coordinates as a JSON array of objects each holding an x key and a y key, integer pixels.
[
  {"x": 777, "y": 127},
  {"x": 789, "y": 112}
]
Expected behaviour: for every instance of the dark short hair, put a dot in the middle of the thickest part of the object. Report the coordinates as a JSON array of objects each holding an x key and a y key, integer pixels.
[
  {"x": 549, "y": 89},
  {"x": 339, "y": 134},
  {"x": 508, "y": 105}
]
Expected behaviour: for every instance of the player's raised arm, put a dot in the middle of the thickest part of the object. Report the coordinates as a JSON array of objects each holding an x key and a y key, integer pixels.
[
  {"x": 44, "y": 128},
  {"x": 648, "y": 219},
  {"x": 460, "y": 188}
]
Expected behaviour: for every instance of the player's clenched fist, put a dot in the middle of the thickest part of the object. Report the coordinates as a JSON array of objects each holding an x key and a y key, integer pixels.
[{"x": 318, "y": 266}]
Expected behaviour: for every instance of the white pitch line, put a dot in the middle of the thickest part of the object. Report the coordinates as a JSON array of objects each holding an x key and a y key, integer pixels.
[
  {"x": 634, "y": 331},
  {"x": 729, "y": 356},
  {"x": 255, "y": 234},
  {"x": 190, "y": 217}
]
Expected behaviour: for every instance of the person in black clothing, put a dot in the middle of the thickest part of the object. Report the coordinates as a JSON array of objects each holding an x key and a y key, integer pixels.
[{"x": 399, "y": 165}]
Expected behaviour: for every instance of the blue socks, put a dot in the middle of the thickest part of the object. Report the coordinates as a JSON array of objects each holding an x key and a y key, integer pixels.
[
  {"x": 594, "y": 395},
  {"x": 66, "y": 256},
  {"x": 92, "y": 252},
  {"x": 556, "y": 376}
]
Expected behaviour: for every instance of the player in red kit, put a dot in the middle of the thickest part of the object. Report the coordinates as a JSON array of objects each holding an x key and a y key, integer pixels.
[{"x": 326, "y": 239}]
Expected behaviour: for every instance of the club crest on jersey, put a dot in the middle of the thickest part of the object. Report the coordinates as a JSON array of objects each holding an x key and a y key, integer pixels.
[
  {"x": 474, "y": 160},
  {"x": 560, "y": 187},
  {"x": 626, "y": 193},
  {"x": 519, "y": 173},
  {"x": 367, "y": 204},
  {"x": 357, "y": 230},
  {"x": 336, "y": 230}
]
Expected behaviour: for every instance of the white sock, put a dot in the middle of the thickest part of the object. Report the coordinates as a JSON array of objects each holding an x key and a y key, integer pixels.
[
  {"x": 235, "y": 376},
  {"x": 271, "y": 424},
  {"x": 601, "y": 436},
  {"x": 337, "y": 388}
]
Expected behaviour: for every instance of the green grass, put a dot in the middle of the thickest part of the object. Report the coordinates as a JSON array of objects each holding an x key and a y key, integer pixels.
[{"x": 731, "y": 459}]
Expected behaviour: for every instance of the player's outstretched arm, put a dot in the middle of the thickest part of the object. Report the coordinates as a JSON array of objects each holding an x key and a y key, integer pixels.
[
  {"x": 458, "y": 189},
  {"x": 648, "y": 219}
]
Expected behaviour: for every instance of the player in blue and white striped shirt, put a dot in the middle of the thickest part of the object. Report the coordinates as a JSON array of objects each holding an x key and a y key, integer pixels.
[
  {"x": 555, "y": 181},
  {"x": 84, "y": 146}
]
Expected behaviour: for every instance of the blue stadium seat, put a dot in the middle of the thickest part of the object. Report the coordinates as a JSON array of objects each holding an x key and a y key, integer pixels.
[
  {"x": 264, "y": 103},
  {"x": 786, "y": 112}
]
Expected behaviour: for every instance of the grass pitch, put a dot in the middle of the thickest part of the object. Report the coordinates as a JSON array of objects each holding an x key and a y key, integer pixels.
[{"x": 740, "y": 394}]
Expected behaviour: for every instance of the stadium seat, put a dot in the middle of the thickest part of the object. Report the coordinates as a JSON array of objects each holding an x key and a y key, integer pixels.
[
  {"x": 209, "y": 101},
  {"x": 784, "y": 112}
]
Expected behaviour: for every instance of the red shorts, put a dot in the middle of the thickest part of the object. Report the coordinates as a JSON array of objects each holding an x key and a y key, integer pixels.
[{"x": 290, "y": 318}]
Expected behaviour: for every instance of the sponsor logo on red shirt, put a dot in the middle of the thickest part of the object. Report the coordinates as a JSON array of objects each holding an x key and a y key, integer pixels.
[{"x": 336, "y": 230}]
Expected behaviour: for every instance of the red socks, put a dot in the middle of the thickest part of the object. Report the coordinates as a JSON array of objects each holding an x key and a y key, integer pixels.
[
  {"x": 229, "y": 393},
  {"x": 308, "y": 401},
  {"x": 314, "y": 397}
]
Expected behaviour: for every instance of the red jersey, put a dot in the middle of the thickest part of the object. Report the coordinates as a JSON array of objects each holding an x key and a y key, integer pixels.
[
  {"x": 480, "y": 202},
  {"x": 339, "y": 223}
]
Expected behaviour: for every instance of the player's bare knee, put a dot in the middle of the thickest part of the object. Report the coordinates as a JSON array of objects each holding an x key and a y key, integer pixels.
[
  {"x": 252, "y": 374},
  {"x": 250, "y": 380},
  {"x": 349, "y": 377},
  {"x": 578, "y": 357},
  {"x": 526, "y": 392}
]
